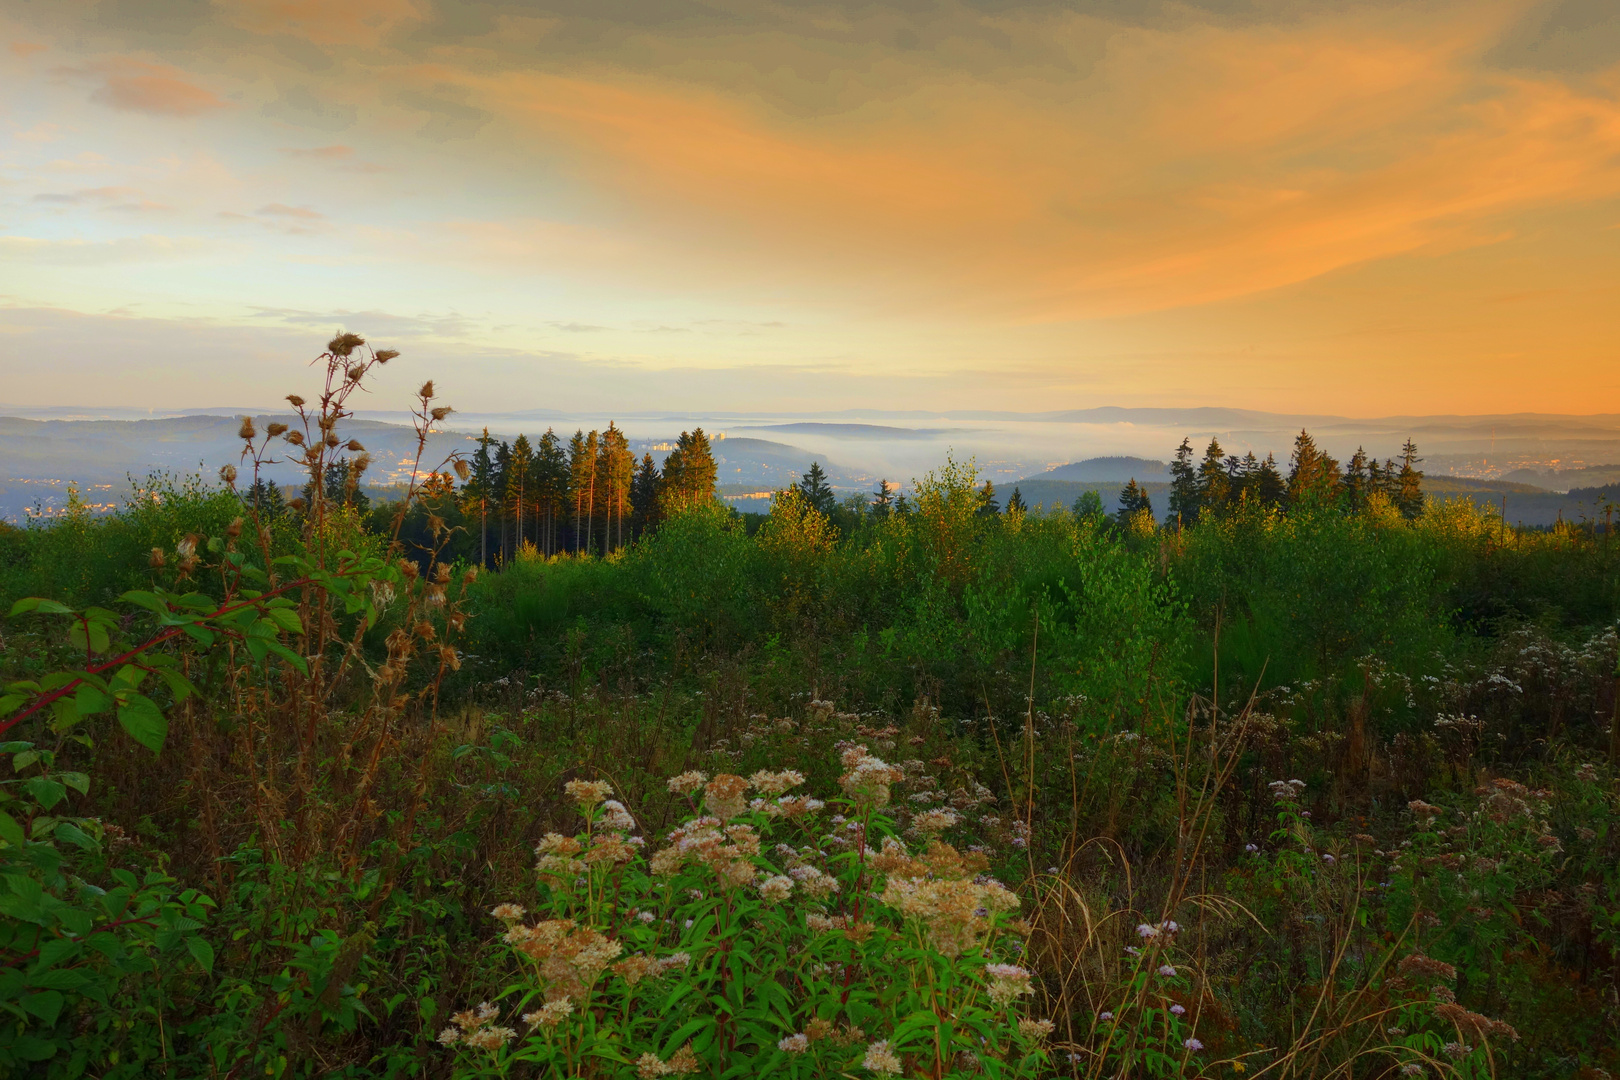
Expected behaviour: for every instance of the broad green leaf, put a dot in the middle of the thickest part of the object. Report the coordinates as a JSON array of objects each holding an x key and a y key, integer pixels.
[
  {"x": 29, "y": 1048},
  {"x": 72, "y": 834},
  {"x": 41, "y": 605},
  {"x": 202, "y": 952},
  {"x": 149, "y": 600},
  {"x": 45, "y": 791},
  {"x": 144, "y": 721},
  {"x": 10, "y": 831},
  {"x": 89, "y": 700},
  {"x": 78, "y": 781},
  {"x": 286, "y": 619},
  {"x": 47, "y": 1005}
]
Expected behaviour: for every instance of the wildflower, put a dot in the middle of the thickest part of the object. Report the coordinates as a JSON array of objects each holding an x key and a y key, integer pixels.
[
  {"x": 724, "y": 796},
  {"x": 615, "y": 816},
  {"x": 633, "y": 969},
  {"x": 1007, "y": 981},
  {"x": 687, "y": 782},
  {"x": 1251, "y": 848},
  {"x": 587, "y": 792},
  {"x": 775, "y": 783},
  {"x": 881, "y": 1060},
  {"x": 1328, "y": 859},
  {"x": 645, "y": 916},
  {"x": 675, "y": 960},
  {"x": 794, "y": 1044},
  {"x": 1105, "y": 1016},
  {"x": 508, "y": 913},
  {"x": 1457, "y": 1049},
  {"x": 1411, "y": 1068},
  {"x": 776, "y": 888},
  {"x": 684, "y": 1062},
  {"x": 1167, "y": 970},
  {"x": 650, "y": 1065},
  {"x": 1146, "y": 932},
  {"x": 1177, "y": 1010},
  {"x": 490, "y": 1038},
  {"x": 930, "y": 822},
  {"x": 1192, "y": 1044},
  {"x": 551, "y": 1014},
  {"x": 450, "y": 1036},
  {"x": 1422, "y": 966},
  {"x": 1034, "y": 1029}
]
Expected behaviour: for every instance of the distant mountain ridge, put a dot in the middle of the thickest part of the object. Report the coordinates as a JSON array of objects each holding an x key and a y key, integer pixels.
[{"x": 1108, "y": 470}]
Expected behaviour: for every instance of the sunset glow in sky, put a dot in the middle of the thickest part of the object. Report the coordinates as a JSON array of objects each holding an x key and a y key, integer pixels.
[{"x": 1362, "y": 207}]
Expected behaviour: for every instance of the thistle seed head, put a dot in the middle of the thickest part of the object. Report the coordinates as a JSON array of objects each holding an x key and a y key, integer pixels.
[
  {"x": 463, "y": 470},
  {"x": 354, "y": 445},
  {"x": 248, "y": 432},
  {"x": 276, "y": 429},
  {"x": 442, "y": 412},
  {"x": 385, "y": 355},
  {"x": 426, "y": 393},
  {"x": 227, "y": 473},
  {"x": 296, "y": 438},
  {"x": 157, "y": 559},
  {"x": 296, "y": 401},
  {"x": 344, "y": 344}
]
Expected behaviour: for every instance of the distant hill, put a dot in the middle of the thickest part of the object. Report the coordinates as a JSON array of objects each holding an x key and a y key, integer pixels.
[
  {"x": 858, "y": 431},
  {"x": 1567, "y": 479},
  {"x": 1109, "y": 470}
]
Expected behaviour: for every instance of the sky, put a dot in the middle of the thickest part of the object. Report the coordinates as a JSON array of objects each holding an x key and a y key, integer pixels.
[{"x": 1355, "y": 207}]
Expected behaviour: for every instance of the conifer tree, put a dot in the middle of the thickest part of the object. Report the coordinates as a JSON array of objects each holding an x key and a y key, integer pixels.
[
  {"x": 1133, "y": 500},
  {"x": 1015, "y": 502},
  {"x": 1270, "y": 487},
  {"x": 1214, "y": 484},
  {"x": 518, "y": 492},
  {"x": 644, "y": 498},
  {"x": 477, "y": 490},
  {"x": 551, "y": 487},
  {"x": 1409, "y": 482},
  {"x": 617, "y": 466},
  {"x": 689, "y": 472},
  {"x": 883, "y": 500},
  {"x": 1313, "y": 476},
  {"x": 1356, "y": 481},
  {"x": 817, "y": 492},
  {"x": 987, "y": 499},
  {"x": 1246, "y": 479},
  {"x": 265, "y": 499},
  {"x": 503, "y": 468},
  {"x": 579, "y": 475},
  {"x": 1183, "y": 486}
]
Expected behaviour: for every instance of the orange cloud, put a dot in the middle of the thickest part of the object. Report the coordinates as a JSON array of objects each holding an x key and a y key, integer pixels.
[
  {"x": 1193, "y": 164},
  {"x": 24, "y": 49},
  {"x": 349, "y": 22},
  {"x": 136, "y": 87}
]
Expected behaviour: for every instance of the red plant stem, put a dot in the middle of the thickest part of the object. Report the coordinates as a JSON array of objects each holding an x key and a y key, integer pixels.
[{"x": 123, "y": 658}]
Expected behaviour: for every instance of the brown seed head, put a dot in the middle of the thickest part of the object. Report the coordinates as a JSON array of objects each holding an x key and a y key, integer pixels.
[
  {"x": 296, "y": 504},
  {"x": 297, "y": 402},
  {"x": 385, "y": 355},
  {"x": 227, "y": 473},
  {"x": 247, "y": 432},
  {"x": 234, "y": 529},
  {"x": 332, "y": 440},
  {"x": 361, "y": 464},
  {"x": 463, "y": 470},
  {"x": 441, "y": 412},
  {"x": 157, "y": 560},
  {"x": 344, "y": 344},
  {"x": 354, "y": 444},
  {"x": 441, "y": 571},
  {"x": 426, "y": 393},
  {"x": 409, "y": 569},
  {"x": 275, "y": 429},
  {"x": 296, "y": 438},
  {"x": 356, "y": 371},
  {"x": 470, "y": 576}
]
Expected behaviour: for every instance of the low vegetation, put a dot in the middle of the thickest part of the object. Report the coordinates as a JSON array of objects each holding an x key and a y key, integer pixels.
[{"x": 1317, "y": 778}]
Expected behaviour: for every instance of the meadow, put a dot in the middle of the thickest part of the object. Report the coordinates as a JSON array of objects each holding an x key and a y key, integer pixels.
[{"x": 1318, "y": 789}]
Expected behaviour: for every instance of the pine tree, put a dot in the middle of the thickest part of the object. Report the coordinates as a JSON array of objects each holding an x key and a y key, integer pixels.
[
  {"x": 1015, "y": 502},
  {"x": 1214, "y": 484},
  {"x": 816, "y": 490},
  {"x": 503, "y": 468},
  {"x": 883, "y": 500},
  {"x": 987, "y": 500},
  {"x": 1184, "y": 494},
  {"x": 1313, "y": 477},
  {"x": 689, "y": 472},
  {"x": 617, "y": 465},
  {"x": 579, "y": 476},
  {"x": 1409, "y": 482},
  {"x": 1355, "y": 483},
  {"x": 1245, "y": 476},
  {"x": 551, "y": 487},
  {"x": 476, "y": 492},
  {"x": 520, "y": 462},
  {"x": 1132, "y": 501},
  {"x": 1270, "y": 487},
  {"x": 644, "y": 498},
  {"x": 265, "y": 499}
]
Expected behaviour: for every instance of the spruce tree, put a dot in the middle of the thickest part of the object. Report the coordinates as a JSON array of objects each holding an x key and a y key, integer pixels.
[
  {"x": 1184, "y": 494},
  {"x": 816, "y": 490},
  {"x": 1132, "y": 501},
  {"x": 265, "y": 499},
  {"x": 579, "y": 477},
  {"x": 1313, "y": 476},
  {"x": 1355, "y": 484},
  {"x": 1214, "y": 484},
  {"x": 477, "y": 490},
  {"x": 617, "y": 466},
  {"x": 1270, "y": 487},
  {"x": 644, "y": 498},
  {"x": 1246, "y": 479},
  {"x": 1015, "y": 502},
  {"x": 551, "y": 487},
  {"x": 689, "y": 472},
  {"x": 518, "y": 489},
  {"x": 503, "y": 468},
  {"x": 1409, "y": 482},
  {"x": 883, "y": 500},
  {"x": 987, "y": 499}
]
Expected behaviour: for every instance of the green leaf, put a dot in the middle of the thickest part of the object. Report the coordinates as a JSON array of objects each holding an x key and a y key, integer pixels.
[
  {"x": 21, "y": 761},
  {"x": 177, "y": 683},
  {"x": 285, "y": 618},
  {"x": 144, "y": 721},
  {"x": 47, "y": 1005},
  {"x": 41, "y": 605},
  {"x": 10, "y": 831},
  {"x": 202, "y": 952},
  {"x": 78, "y": 781},
  {"x": 76, "y": 836},
  {"x": 31, "y": 1049},
  {"x": 45, "y": 792},
  {"x": 89, "y": 701},
  {"x": 149, "y": 600}
]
